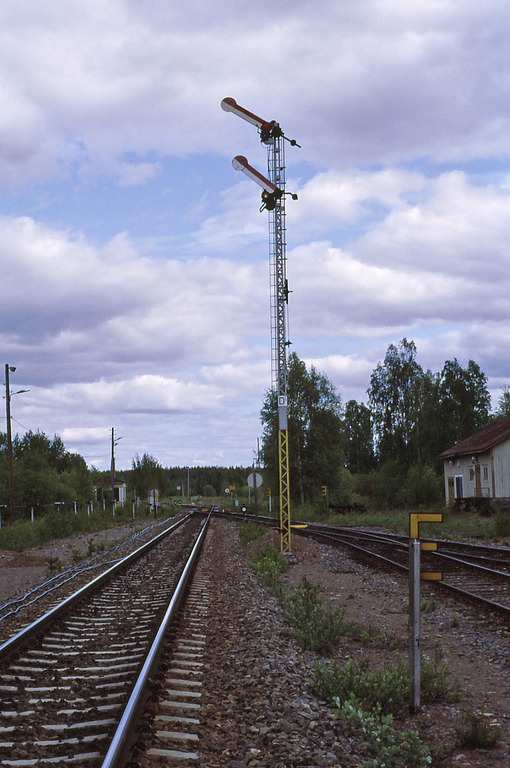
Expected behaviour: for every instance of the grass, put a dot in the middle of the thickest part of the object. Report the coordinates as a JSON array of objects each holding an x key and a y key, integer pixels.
[
  {"x": 468, "y": 524},
  {"x": 59, "y": 524},
  {"x": 478, "y": 730}
]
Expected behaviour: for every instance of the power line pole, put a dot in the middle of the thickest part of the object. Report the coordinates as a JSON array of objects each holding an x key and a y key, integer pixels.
[{"x": 9, "y": 368}]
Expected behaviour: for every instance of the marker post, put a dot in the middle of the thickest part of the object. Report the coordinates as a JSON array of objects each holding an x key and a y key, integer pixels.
[{"x": 415, "y": 577}]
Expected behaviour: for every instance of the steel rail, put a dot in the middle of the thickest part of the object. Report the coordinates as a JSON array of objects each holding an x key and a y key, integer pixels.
[
  {"x": 124, "y": 734},
  {"x": 356, "y": 547},
  {"x": 15, "y": 642},
  {"x": 328, "y": 533},
  {"x": 472, "y": 596}
]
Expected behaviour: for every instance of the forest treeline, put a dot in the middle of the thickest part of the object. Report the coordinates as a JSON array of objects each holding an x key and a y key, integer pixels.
[
  {"x": 387, "y": 450},
  {"x": 383, "y": 452}
]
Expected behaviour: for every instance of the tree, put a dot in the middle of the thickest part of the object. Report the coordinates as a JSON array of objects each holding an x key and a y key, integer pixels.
[
  {"x": 394, "y": 396},
  {"x": 316, "y": 438},
  {"x": 359, "y": 451},
  {"x": 44, "y": 472},
  {"x": 147, "y": 474},
  {"x": 463, "y": 402},
  {"x": 503, "y": 409}
]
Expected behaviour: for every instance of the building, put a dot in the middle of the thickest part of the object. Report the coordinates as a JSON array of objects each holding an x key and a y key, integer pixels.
[
  {"x": 479, "y": 466},
  {"x": 103, "y": 489}
]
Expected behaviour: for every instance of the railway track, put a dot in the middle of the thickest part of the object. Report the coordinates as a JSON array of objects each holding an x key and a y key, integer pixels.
[
  {"x": 74, "y": 683},
  {"x": 473, "y": 572}
]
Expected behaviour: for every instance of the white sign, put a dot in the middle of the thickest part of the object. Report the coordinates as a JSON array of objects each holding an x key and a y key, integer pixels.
[{"x": 254, "y": 480}]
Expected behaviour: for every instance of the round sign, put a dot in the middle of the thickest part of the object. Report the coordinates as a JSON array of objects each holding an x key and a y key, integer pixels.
[
  {"x": 254, "y": 480},
  {"x": 227, "y": 490}
]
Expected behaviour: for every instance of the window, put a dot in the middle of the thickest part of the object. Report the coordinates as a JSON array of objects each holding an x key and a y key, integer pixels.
[{"x": 485, "y": 469}]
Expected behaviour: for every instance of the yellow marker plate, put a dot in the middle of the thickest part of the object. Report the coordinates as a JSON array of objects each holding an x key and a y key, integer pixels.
[{"x": 431, "y": 576}]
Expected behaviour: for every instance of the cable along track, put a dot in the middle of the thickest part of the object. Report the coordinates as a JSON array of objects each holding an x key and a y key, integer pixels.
[{"x": 67, "y": 680}]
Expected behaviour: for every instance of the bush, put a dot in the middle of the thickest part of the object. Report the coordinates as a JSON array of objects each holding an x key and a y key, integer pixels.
[
  {"x": 17, "y": 536},
  {"x": 269, "y": 564},
  {"x": 386, "y": 689},
  {"x": 387, "y": 747},
  {"x": 502, "y": 524},
  {"x": 250, "y": 532},
  {"x": 422, "y": 485},
  {"x": 316, "y": 627}
]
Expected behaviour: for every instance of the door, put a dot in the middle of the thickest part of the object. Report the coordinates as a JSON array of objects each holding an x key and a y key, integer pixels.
[
  {"x": 451, "y": 491},
  {"x": 478, "y": 482}
]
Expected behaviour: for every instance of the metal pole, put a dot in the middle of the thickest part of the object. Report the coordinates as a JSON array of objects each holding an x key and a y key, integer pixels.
[
  {"x": 113, "y": 471},
  {"x": 9, "y": 443},
  {"x": 414, "y": 624}
]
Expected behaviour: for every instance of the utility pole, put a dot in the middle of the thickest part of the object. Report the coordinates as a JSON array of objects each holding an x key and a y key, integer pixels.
[
  {"x": 9, "y": 368},
  {"x": 112, "y": 471},
  {"x": 112, "y": 468},
  {"x": 8, "y": 394},
  {"x": 273, "y": 200}
]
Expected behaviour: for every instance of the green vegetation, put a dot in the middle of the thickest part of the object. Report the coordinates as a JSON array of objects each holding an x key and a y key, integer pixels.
[
  {"x": 369, "y": 700},
  {"x": 386, "y": 746},
  {"x": 250, "y": 532},
  {"x": 436, "y": 683},
  {"x": 316, "y": 626},
  {"x": 386, "y": 688},
  {"x": 269, "y": 564},
  {"x": 384, "y": 455},
  {"x": 44, "y": 472},
  {"x": 478, "y": 730},
  {"x": 58, "y": 524}
]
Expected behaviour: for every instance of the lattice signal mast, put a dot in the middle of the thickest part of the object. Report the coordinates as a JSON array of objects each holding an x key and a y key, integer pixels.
[{"x": 273, "y": 200}]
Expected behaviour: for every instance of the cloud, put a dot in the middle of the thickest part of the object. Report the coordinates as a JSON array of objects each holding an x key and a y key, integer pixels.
[
  {"x": 135, "y": 260},
  {"x": 93, "y": 81}
]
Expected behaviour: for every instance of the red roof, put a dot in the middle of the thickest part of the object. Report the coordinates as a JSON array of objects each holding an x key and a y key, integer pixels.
[{"x": 481, "y": 441}]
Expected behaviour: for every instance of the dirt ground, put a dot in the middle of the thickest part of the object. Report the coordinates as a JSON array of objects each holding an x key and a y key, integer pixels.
[
  {"x": 476, "y": 648},
  {"x": 20, "y": 571}
]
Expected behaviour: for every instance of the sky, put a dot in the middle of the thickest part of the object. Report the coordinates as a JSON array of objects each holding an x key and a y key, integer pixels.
[{"x": 134, "y": 258}]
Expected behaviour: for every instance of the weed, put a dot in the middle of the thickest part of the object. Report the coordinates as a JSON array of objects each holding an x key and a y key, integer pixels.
[
  {"x": 387, "y": 688},
  {"x": 376, "y": 637},
  {"x": 386, "y": 746},
  {"x": 478, "y": 730},
  {"x": 501, "y": 525},
  {"x": 250, "y": 532},
  {"x": 17, "y": 536},
  {"x": 269, "y": 564},
  {"x": 75, "y": 553},
  {"x": 53, "y": 565},
  {"x": 316, "y": 626},
  {"x": 435, "y": 678},
  {"x": 428, "y": 606}
]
